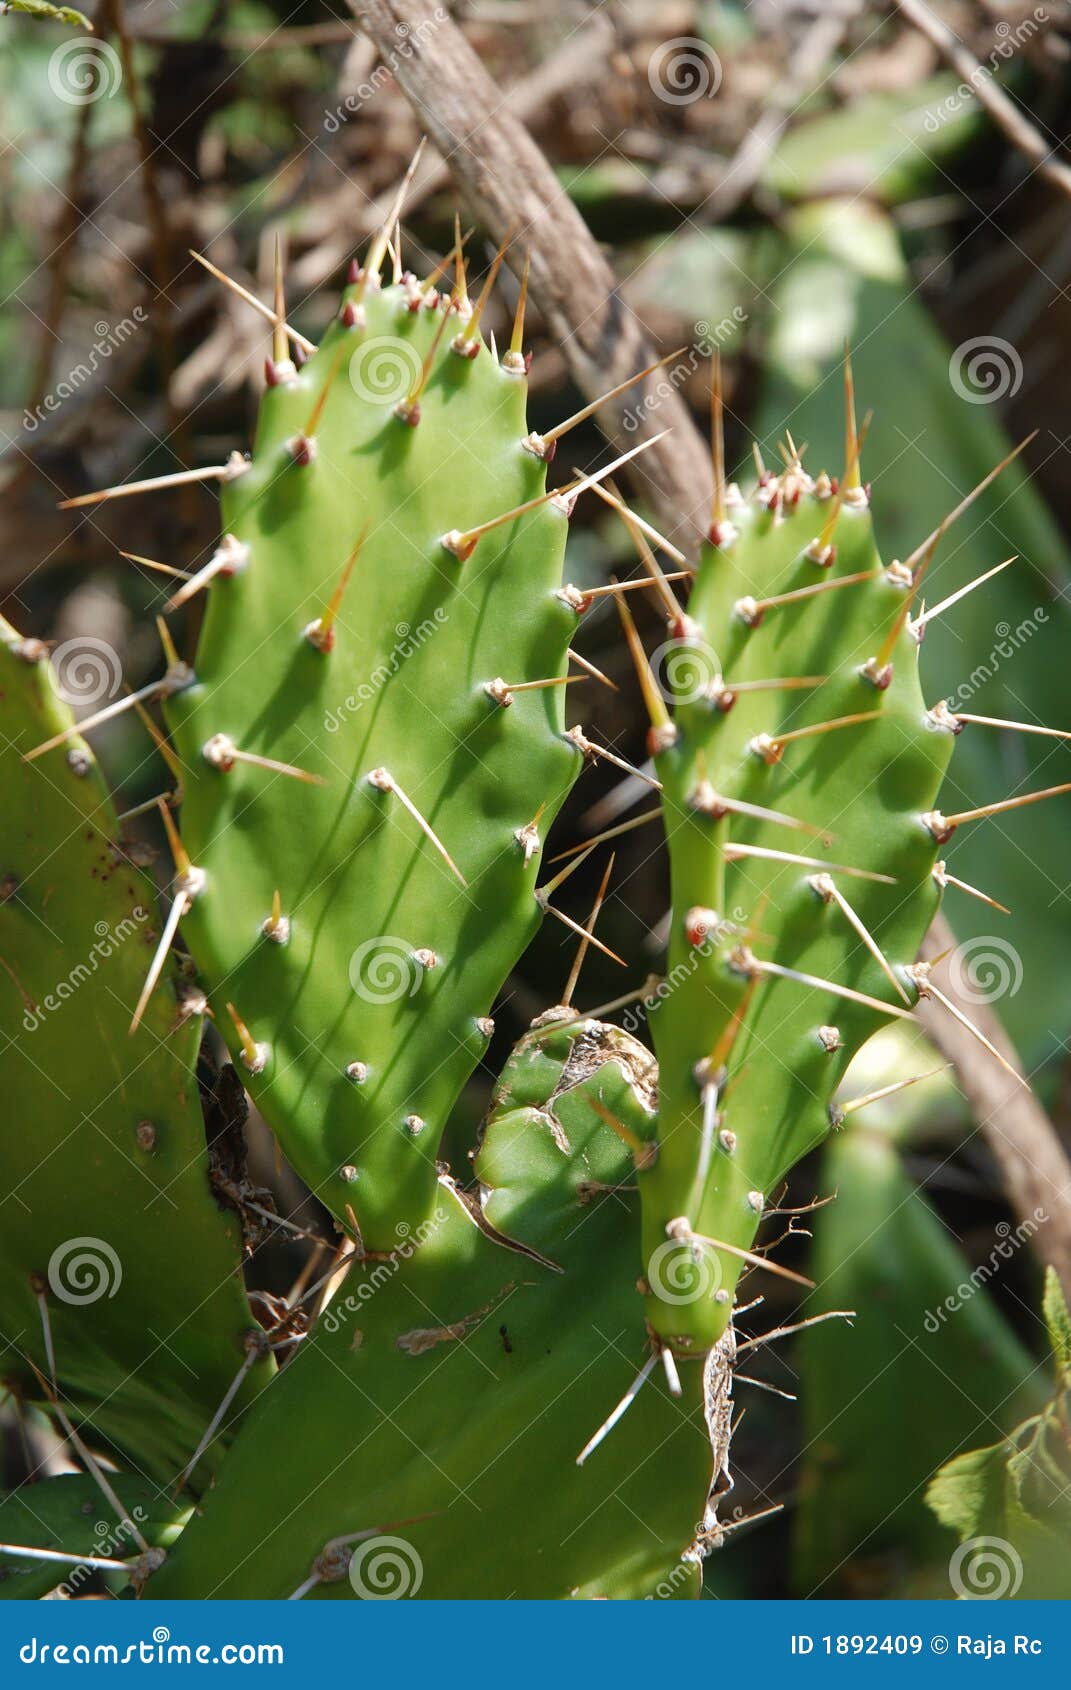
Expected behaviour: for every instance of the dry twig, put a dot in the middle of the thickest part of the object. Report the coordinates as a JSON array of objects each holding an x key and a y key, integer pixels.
[
  {"x": 511, "y": 185},
  {"x": 987, "y": 91},
  {"x": 1033, "y": 1164}
]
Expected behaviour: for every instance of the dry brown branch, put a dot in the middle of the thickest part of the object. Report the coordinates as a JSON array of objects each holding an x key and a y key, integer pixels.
[
  {"x": 817, "y": 50},
  {"x": 1033, "y": 1164},
  {"x": 987, "y": 91},
  {"x": 59, "y": 261},
  {"x": 348, "y": 222},
  {"x": 510, "y": 185}
]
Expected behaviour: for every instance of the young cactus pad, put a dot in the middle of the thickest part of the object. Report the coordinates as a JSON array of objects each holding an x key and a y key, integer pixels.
[
  {"x": 779, "y": 970},
  {"x": 452, "y": 1385},
  {"x": 362, "y": 631},
  {"x": 102, "y": 1159}
]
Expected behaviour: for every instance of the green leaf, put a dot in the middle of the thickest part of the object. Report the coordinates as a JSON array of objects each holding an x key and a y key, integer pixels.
[
  {"x": 889, "y": 147},
  {"x": 41, "y": 9},
  {"x": 1010, "y": 1503},
  {"x": 967, "y": 1495},
  {"x": 927, "y": 1366},
  {"x": 1058, "y": 1321}
]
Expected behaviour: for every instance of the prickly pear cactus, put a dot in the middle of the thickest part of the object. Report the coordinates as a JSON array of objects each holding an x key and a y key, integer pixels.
[
  {"x": 362, "y": 630},
  {"x": 800, "y": 772},
  {"x": 120, "y": 1285},
  {"x": 454, "y": 1382},
  {"x": 371, "y": 744}
]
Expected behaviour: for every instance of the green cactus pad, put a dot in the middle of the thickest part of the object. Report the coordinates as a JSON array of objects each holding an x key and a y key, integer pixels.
[
  {"x": 858, "y": 793},
  {"x": 106, "y": 1203},
  {"x": 69, "y": 1516},
  {"x": 369, "y": 1017},
  {"x": 453, "y": 1386}
]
